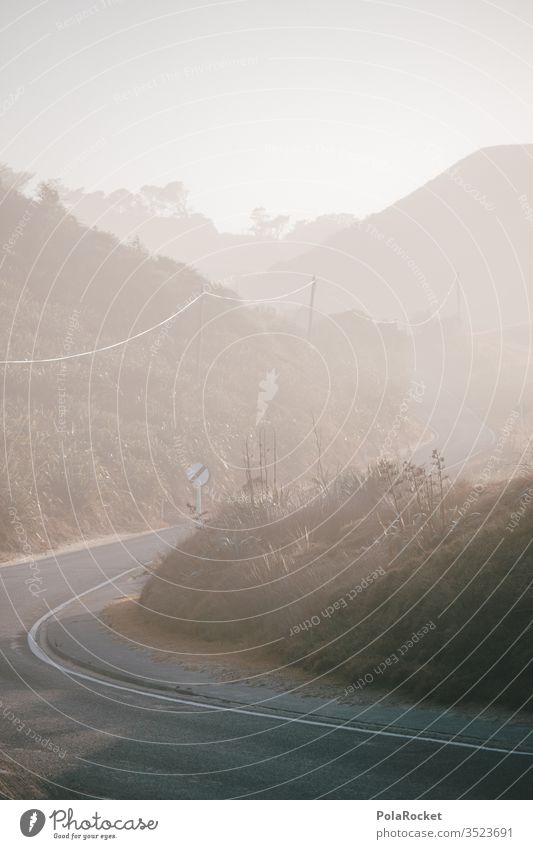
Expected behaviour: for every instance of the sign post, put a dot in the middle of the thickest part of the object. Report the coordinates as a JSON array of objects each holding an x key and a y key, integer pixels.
[{"x": 198, "y": 475}]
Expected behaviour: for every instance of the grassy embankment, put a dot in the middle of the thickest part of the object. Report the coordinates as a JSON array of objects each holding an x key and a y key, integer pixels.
[{"x": 347, "y": 576}]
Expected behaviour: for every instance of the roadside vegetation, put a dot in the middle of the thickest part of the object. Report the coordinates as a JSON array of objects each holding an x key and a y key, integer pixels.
[{"x": 393, "y": 580}]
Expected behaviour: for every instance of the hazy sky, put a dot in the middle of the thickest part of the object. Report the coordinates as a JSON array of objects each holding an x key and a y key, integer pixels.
[{"x": 303, "y": 106}]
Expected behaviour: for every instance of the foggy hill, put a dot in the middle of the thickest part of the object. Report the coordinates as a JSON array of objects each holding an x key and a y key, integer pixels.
[
  {"x": 102, "y": 442},
  {"x": 476, "y": 219},
  {"x": 162, "y": 219},
  {"x": 53, "y": 258}
]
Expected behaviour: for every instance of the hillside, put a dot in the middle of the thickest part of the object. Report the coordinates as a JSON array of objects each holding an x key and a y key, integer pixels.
[
  {"x": 475, "y": 219},
  {"x": 162, "y": 219},
  {"x": 102, "y": 441}
]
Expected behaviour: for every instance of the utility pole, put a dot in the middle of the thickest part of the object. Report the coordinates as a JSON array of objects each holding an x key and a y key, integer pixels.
[{"x": 311, "y": 306}]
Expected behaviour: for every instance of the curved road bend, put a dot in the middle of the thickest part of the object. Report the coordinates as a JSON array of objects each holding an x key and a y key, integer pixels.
[{"x": 119, "y": 743}]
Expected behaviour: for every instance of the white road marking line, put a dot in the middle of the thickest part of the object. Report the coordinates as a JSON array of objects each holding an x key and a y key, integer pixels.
[{"x": 36, "y": 649}]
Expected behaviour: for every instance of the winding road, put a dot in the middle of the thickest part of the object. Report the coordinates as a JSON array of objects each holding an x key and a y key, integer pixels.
[{"x": 66, "y": 734}]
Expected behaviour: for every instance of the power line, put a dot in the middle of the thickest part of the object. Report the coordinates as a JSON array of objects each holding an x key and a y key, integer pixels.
[{"x": 141, "y": 333}]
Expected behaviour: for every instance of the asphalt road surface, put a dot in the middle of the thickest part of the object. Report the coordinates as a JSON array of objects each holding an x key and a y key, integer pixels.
[{"x": 112, "y": 743}]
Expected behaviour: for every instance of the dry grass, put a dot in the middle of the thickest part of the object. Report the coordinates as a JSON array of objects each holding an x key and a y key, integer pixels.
[{"x": 271, "y": 568}]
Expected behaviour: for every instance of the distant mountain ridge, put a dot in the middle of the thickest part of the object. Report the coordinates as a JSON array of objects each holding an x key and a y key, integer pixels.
[
  {"x": 161, "y": 218},
  {"x": 460, "y": 243},
  {"x": 473, "y": 224}
]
